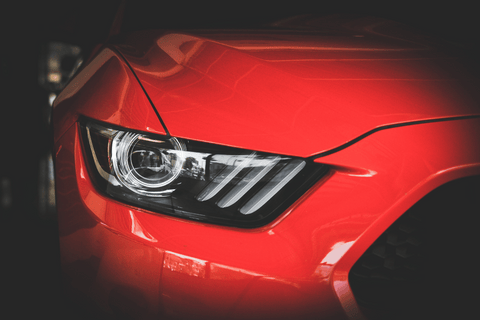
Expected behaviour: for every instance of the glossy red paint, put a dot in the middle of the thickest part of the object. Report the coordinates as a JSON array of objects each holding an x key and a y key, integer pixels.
[
  {"x": 125, "y": 260},
  {"x": 258, "y": 91}
]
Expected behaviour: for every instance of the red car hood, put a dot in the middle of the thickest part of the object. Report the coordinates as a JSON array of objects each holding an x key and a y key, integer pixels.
[{"x": 299, "y": 91}]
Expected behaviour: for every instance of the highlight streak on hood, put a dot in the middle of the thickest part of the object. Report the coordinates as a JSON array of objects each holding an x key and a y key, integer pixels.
[{"x": 296, "y": 93}]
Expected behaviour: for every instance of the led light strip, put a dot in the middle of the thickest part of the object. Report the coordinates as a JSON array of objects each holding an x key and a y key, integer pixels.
[
  {"x": 273, "y": 186},
  {"x": 255, "y": 175},
  {"x": 219, "y": 183},
  {"x": 108, "y": 133}
]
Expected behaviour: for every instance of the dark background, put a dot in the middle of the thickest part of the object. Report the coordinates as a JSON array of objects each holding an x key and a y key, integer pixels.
[{"x": 30, "y": 264}]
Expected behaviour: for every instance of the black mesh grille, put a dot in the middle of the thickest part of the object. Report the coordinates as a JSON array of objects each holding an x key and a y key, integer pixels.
[
  {"x": 391, "y": 264},
  {"x": 424, "y": 263}
]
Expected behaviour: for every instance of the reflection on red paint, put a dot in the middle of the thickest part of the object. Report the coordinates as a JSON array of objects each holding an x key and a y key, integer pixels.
[
  {"x": 337, "y": 251},
  {"x": 182, "y": 264},
  {"x": 138, "y": 230}
]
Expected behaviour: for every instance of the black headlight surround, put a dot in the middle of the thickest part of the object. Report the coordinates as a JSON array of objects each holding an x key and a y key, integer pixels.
[{"x": 184, "y": 204}]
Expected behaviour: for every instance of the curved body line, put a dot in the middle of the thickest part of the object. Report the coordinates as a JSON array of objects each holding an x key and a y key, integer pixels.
[{"x": 390, "y": 126}]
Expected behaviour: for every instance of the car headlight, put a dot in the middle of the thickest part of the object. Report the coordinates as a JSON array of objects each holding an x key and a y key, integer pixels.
[{"x": 195, "y": 180}]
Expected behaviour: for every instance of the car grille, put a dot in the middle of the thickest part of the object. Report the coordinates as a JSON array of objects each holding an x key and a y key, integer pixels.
[
  {"x": 387, "y": 270},
  {"x": 425, "y": 262}
]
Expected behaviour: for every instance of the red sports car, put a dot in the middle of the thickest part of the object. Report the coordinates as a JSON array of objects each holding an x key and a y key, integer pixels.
[{"x": 320, "y": 168}]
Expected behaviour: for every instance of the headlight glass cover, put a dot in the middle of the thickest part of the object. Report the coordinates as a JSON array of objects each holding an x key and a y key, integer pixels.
[{"x": 195, "y": 180}]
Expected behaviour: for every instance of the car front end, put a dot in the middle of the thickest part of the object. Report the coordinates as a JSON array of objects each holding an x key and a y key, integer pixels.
[{"x": 244, "y": 175}]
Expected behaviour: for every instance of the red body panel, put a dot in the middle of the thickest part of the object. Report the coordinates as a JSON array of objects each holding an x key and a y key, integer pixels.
[
  {"x": 297, "y": 100},
  {"x": 267, "y": 94}
]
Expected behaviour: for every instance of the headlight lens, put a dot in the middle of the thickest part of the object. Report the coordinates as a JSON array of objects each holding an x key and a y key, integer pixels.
[
  {"x": 195, "y": 180},
  {"x": 145, "y": 165}
]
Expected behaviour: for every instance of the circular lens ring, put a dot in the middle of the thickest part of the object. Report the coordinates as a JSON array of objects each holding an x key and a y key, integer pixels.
[
  {"x": 122, "y": 150},
  {"x": 141, "y": 180}
]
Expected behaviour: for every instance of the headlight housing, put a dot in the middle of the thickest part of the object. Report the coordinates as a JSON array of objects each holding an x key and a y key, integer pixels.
[{"x": 195, "y": 180}]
